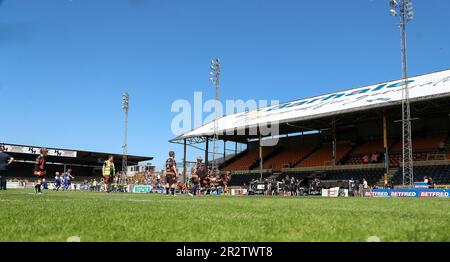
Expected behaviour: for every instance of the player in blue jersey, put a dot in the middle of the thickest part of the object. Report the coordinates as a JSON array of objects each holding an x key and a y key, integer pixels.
[
  {"x": 57, "y": 181},
  {"x": 67, "y": 179}
]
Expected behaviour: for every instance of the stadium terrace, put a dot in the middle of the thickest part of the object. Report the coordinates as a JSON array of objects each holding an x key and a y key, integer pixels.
[{"x": 346, "y": 137}]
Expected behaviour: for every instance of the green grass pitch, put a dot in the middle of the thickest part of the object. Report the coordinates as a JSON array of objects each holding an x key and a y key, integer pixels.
[{"x": 56, "y": 216}]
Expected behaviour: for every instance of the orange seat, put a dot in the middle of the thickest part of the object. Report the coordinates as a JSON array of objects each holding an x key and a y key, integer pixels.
[{"x": 324, "y": 155}]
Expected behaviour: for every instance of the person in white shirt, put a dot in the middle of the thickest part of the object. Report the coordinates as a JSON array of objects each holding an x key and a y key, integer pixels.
[{"x": 365, "y": 185}]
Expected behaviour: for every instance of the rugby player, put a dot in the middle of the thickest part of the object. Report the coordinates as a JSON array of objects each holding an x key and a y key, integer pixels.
[
  {"x": 171, "y": 174},
  {"x": 196, "y": 174},
  {"x": 39, "y": 170},
  {"x": 57, "y": 182},
  {"x": 67, "y": 179}
]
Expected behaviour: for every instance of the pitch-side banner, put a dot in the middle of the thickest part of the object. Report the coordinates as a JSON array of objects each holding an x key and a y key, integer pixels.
[
  {"x": 35, "y": 151},
  {"x": 142, "y": 189},
  {"x": 389, "y": 93},
  {"x": 423, "y": 193}
]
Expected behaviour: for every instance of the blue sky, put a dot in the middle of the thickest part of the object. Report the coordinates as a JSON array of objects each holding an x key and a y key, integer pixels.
[{"x": 64, "y": 64}]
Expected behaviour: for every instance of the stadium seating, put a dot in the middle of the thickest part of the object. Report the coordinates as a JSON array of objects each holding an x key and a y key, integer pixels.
[
  {"x": 245, "y": 179},
  {"x": 440, "y": 174},
  {"x": 396, "y": 158},
  {"x": 243, "y": 162},
  {"x": 371, "y": 175},
  {"x": 372, "y": 146},
  {"x": 424, "y": 148},
  {"x": 297, "y": 175},
  {"x": 290, "y": 154},
  {"x": 431, "y": 141},
  {"x": 368, "y": 147},
  {"x": 299, "y": 154},
  {"x": 247, "y": 160},
  {"x": 323, "y": 156}
]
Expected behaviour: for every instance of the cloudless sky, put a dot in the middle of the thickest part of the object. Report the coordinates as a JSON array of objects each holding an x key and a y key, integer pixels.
[{"x": 65, "y": 63}]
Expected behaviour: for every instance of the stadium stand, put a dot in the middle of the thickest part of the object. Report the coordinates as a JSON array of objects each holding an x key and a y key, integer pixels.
[
  {"x": 23, "y": 170},
  {"x": 296, "y": 153},
  {"x": 323, "y": 156},
  {"x": 428, "y": 142},
  {"x": 241, "y": 179},
  {"x": 367, "y": 148},
  {"x": 359, "y": 131},
  {"x": 292, "y": 152},
  {"x": 372, "y": 175},
  {"x": 247, "y": 159},
  {"x": 288, "y": 157},
  {"x": 439, "y": 173},
  {"x": 84, "y": 164},
  {"x": 301, "y": 155},
  {"x": 425, "y": 148}
]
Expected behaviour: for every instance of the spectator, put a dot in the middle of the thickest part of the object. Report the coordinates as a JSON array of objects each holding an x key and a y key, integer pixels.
[
  {"x": 197, "y": 172},
  {"x": 293, "y": 187},
  {"x": 95, "y": 185},
  {"x": 365, "y": 186},
  {"x": 430, "y": 183},
  {"x": 441, "y": 147},
  {"x": 220, "y": 185},
  {"x": 380, "y": 157},
  {"x": 287, "y": 186},
  {"x": 374, "y": 158},
  {"x": 366, "y": 159},
  {"x": 356, "y": 188},
  {"x": 5, "y": 161}
]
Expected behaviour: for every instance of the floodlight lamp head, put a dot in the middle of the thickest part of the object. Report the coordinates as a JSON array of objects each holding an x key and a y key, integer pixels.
[
  {"x": 392, "y": 12},
  {"x": 409, "y": 6},
  {"x": 215, "y": 62},
  {"x": 393, "y": 3}
]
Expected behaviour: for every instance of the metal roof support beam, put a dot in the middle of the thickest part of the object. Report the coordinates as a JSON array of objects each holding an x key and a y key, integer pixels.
[
  {"x": 260, "y": 158},
  {"x": 184, "y": 161},
  {"x": 207, "y": 154},
  {"x": 333, "y": 134},
  {"x": 386, "y": 149}
]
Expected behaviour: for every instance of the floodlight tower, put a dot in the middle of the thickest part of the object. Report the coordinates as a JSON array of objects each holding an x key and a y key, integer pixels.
[
  {"x": 125, "y": 107},
  {"x": 215, "y": 79},
  {"x": 403, "y": 9}
]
